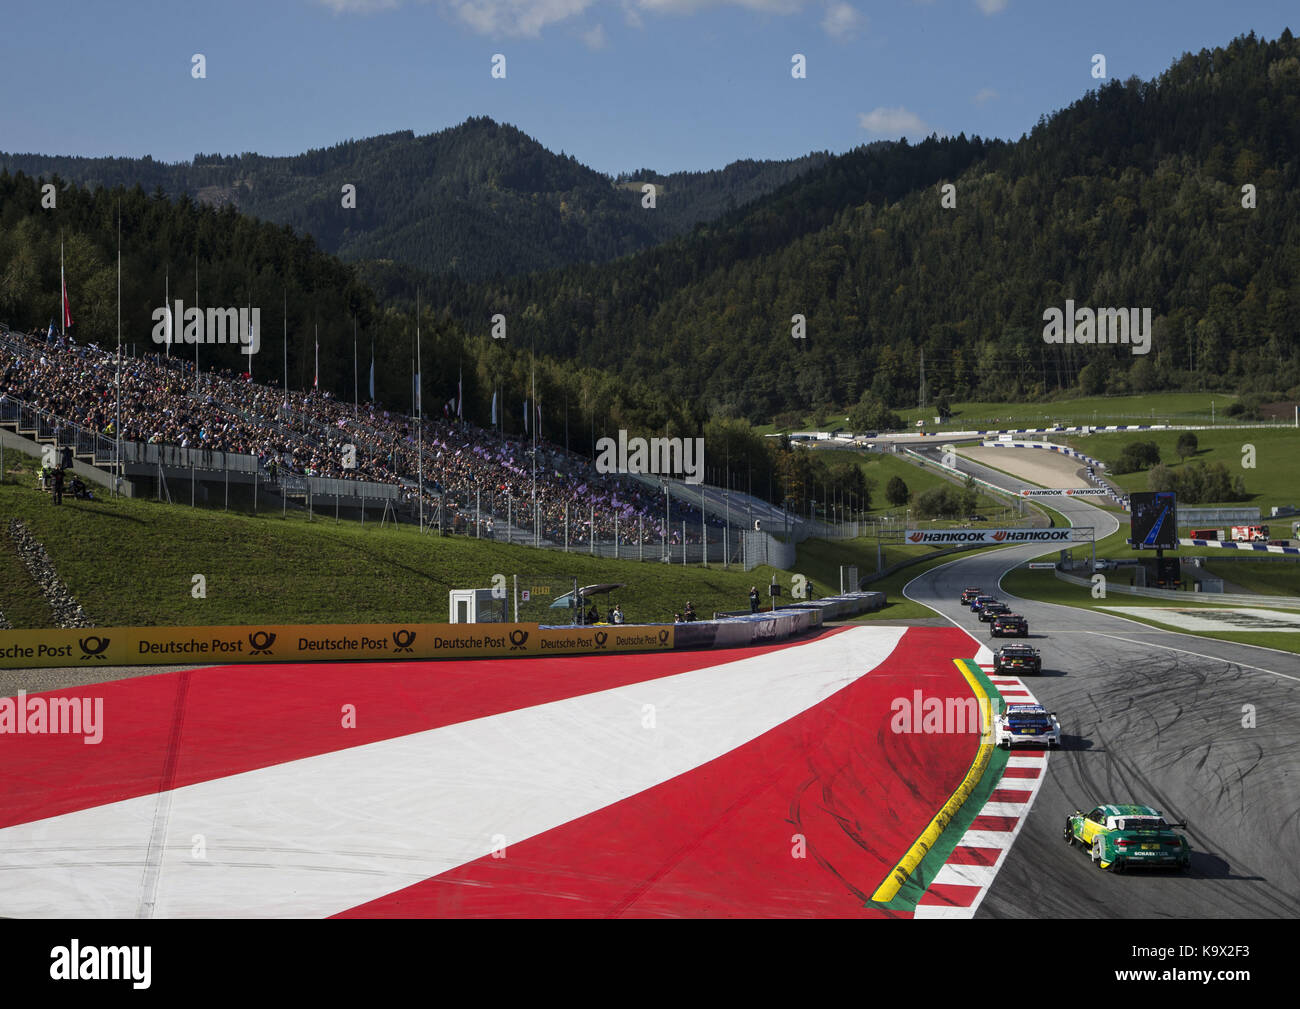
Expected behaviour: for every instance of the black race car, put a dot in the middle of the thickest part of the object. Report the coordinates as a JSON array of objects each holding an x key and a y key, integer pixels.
[
  {"x": 990, "y": 610},
  {"x": 1017, "y": 659},
  {"x": 1009, "y": 623},
  {"x": 968, "y": 595}
]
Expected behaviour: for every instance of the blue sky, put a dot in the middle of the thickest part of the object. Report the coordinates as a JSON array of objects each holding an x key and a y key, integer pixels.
[{"x": 619, "y": 84}]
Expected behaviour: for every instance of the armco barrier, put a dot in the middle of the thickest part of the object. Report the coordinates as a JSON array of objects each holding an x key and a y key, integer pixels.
[
  {"x": 850, "y": 604},
  {"x": 151, "y": 646},
  {"x": 1176, "y": 596}
]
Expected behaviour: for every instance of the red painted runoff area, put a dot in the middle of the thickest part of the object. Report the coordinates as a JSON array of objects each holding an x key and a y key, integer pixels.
[
  {"x": 176, "y": 729},
  {"x": 805, "y": 820}
]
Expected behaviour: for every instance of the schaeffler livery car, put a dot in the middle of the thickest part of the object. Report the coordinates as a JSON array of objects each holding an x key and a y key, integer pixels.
[
  {"x": 1009, "y": 623},
  {"x": 968, "y": 596},
  {"x": 1027, "y": 725},
  {"x": 988, "y": 611},
  {"x": 1017, "y": 659},
  {"x": 1120, "y": 837},
  {"x": 980, "y": 601}
]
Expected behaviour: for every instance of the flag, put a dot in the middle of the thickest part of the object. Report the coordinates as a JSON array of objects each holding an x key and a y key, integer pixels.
[
  {"x": 460, "y": 395},
  {"x": 256, "y": 759},
  {"x": 67, "y": 312},
  {"x": 372, "y": 372},
  {"x": 419, "y": 405},
  {"x": 537, "y": 419},
  {"x": 525, "y": 416},
  {"x": 494, "y": 407},
  {"x": 316, "y": 380}
]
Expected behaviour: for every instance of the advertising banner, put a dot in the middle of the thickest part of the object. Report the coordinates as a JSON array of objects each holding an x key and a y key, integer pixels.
[
  {"x": 134, "y": 646},
  {"x": 952, "y": 537},
  {"x": 1067, "y": 492}
]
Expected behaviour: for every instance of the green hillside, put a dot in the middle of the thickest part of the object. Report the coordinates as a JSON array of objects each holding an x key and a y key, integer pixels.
[
  {"x": 1131, "y": 197},
  {"x": 473, "y": 200}
]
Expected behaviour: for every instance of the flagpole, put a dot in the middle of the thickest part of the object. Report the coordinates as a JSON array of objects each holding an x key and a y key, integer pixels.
[
  {"x": 63, "y": 291},
  {"x": 167, "y": 300},
  {"x": 117, "y": 378},
  {"x": 356, "y": 408},
  {"x": 419, "y": 412},
  {"x": 534, "y": 419},
  {"x": 197, "y": 341},
  {"x": 285, "y": 348}
]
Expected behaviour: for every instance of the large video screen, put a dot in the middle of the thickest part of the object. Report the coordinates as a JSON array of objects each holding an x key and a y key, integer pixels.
[{"x": 1154, "y": 519}]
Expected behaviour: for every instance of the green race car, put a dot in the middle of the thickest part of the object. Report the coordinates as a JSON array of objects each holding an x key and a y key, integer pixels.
[{"x": 1119, "y": 837}]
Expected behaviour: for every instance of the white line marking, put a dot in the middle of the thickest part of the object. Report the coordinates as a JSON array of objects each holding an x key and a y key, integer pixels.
[{"x": 1202, "y": 655}]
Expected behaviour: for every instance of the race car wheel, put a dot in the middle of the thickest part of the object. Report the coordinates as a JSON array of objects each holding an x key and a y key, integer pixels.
[
  {"x": 1069, "y": 832},
  {"x": 1096, "y": 854}
]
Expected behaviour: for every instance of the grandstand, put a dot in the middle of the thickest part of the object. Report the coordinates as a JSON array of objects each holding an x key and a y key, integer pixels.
[{"x": 221, "y": 429}]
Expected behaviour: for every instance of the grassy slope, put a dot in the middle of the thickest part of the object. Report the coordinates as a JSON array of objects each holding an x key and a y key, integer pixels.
[
  {"x": 1044, "y": 586},
  {"x": 1149, "y": 408},
  {"x": 130, "y": 562},
  {"x": 1274, "y": 480},
  {"x": 1272, "y": 578}
]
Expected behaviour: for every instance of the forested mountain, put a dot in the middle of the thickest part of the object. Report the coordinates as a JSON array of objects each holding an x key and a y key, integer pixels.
[
  {"x": 477, "y": 200},
  {"x": 1130, "y": 198},
  {"x": 306, "y": 298}
]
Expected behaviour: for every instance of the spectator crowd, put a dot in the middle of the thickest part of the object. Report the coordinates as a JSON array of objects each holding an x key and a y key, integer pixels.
[{"x": 471, "y": 472}]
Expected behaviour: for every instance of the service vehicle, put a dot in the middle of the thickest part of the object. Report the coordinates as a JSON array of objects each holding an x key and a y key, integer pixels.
[
  {"x": 1017, "y": 659},
  {"x": 1205, "y": 534},
  {"x": 1249, "y": 534},
  {"x": 1124, "y": 836},
  {"x": 1009, "y": 623},
  {"x": 968, "y": 595},
  {"x": 990, "y": 610},
  {"x": 1027, "y": 725}
]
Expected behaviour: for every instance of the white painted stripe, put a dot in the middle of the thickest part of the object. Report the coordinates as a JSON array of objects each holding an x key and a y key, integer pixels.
[
  {"x": 943, "y": 911},
  {"x": 1034, "y": 758},
  {"x": 965, "y": 875},
  {"x": 312, "y": 837},
  {"x": 986, "y": 839},
  {"x": 1004, "y": 809}
]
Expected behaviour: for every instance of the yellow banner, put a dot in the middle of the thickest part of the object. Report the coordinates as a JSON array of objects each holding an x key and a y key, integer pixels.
[{"x": 145, "y": 646}]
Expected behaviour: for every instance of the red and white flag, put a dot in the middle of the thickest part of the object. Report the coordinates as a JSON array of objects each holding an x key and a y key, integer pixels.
[{"x": 446, "y": 802}]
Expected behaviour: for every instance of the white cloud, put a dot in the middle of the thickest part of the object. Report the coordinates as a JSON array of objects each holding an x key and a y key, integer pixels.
[
  {"x": 527, "y": 18},
  {"x": 631, "y": 16},
  {"x": 841, "y": 21},
  {"x": 984, "y": 95},
  {"x": 595, "y": 38},
  {"x": 894, "y": 123},
  {"x": 359, "y": 6},
  {"x": 524, "y": 18},
  {"x": 991, "y": 7},
  {"x": 690, "y": 6}
]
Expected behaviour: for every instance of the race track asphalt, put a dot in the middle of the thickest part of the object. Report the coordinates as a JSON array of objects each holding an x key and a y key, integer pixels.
[{"x": 1154, "y": 717}]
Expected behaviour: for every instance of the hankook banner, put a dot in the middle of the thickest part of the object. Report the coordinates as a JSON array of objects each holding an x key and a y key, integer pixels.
[
  {"x": 948, "y": 537},
  {"x": 1068, "y": 492}
]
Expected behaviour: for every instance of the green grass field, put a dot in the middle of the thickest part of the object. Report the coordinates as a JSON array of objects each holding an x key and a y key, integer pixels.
[
  {"x": 1148, "y": 408},
  {"x": 1271, "y": 578},
  {"x": 880, "y": 467},
  {"x": 1045, "y": 587},
  {"x": 1273, "y": 480},
  {"x": 131, "y": 562}
]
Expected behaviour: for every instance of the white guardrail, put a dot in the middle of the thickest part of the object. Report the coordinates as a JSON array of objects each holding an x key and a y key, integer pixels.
[{"x": 1174, "y": 595}]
